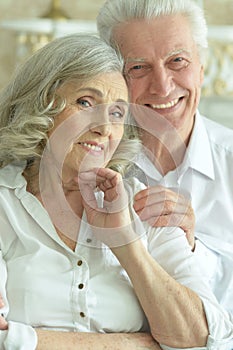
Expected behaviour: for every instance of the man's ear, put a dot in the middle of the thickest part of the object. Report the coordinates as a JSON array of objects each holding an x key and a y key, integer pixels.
[{"x": 202, "y": 74}]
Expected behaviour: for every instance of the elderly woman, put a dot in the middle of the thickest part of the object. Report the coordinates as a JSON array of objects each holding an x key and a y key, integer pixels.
[{"x": 75, "y": 259}]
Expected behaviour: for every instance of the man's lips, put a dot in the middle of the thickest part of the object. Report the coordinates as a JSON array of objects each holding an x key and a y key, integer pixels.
[{"x": 169, "y": 104}]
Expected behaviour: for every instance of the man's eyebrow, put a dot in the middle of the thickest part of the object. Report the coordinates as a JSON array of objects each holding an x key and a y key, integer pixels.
[
  {"x": 171, "y": 53},
  {"x": 177, "y": 52},
  {"x": 136, "y": 59}
]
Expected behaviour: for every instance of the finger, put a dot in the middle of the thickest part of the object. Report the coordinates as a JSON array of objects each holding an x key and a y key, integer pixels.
[
  {"x": 86, "y": 177},
  {"x": 176, "y": 221},
  {"x": 3, "y": 323},
  {"x": 161, "y": 208},
  {"x": 105, "y": 184},
  {"x": 97, "y": 177},
  {"x": 154, "y": 190},
  {"x": 186, "y": 222},
  {"x": 166, "y": 220},
  {"x": 106, "y": 173},
  {"x": 158, "y": 194},
  {"x": 162, "y": 201},
  {"x": 2, "y": 304},
  {"x": 88, "y": 194}
]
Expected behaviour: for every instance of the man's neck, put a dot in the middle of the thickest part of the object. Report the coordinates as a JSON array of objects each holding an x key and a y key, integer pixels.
[{"x": 167, "y": 153}]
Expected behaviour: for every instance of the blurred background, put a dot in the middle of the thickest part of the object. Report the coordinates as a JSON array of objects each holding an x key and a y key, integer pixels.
[{"x": 27, "y": 25}]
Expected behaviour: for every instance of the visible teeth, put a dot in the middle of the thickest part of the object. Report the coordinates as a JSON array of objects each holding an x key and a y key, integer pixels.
[
  {"x": 92, "y": 147},
  {"x": 168, "y": 105}
]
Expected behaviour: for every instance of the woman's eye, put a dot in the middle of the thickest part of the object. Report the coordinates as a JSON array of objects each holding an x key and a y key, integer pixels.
[
  {"x": 117, "y": 113},
  {"x": 84, "y": 103}
]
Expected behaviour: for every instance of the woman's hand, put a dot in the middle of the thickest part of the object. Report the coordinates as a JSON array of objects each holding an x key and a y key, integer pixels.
[{"x": 112, "y": 222}]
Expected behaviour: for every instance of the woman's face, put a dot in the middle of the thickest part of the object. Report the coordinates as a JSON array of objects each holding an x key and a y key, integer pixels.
[{"x": 86, "y": 134}]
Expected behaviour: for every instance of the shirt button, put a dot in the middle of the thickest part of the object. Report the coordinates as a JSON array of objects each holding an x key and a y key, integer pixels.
[
  {"x": 89, "y": 240},
  {"x": 82, "y": 314},
  {"x": 79, "y": 263},
  {"x": 81, "y": 285}
]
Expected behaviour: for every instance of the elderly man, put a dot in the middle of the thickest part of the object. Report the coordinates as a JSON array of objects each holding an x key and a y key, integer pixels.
[{"x": 163, "y": 44}]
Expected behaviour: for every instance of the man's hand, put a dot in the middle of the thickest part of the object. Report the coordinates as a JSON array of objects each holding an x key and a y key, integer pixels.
[
  {"x": 3, "y": 322},
  {"x": 160, "y": 207}
]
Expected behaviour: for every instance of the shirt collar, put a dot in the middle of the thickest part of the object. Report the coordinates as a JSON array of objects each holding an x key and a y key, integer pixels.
[
  {"x": 11, "y": 175},
  {"x": 199, "y": 156},
  {"x": 147, "y": 167}
]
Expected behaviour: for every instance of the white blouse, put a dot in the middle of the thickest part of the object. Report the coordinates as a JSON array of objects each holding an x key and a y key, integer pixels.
[{"x": 48, "y": 285}]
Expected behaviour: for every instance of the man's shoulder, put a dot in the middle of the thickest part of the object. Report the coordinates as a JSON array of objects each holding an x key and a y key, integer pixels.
[{"x": 219, "y": 135}]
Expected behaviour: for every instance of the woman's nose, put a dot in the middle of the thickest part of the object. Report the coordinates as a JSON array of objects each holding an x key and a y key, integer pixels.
[
  {"x": 100, "y": 123},
  {"x": 101, "y": 128}
]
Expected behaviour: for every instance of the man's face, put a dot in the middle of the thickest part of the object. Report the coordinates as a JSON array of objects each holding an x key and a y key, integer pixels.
[{"x": 162, "y": 68}]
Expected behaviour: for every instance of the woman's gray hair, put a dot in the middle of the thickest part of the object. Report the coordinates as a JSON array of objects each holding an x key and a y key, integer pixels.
[
  {"x": 115, "y": 12},
  {"x": 27, "y": 104}
]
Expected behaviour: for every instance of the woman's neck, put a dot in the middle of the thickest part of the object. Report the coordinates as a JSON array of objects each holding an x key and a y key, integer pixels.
[{"x": 63, "y": 201}]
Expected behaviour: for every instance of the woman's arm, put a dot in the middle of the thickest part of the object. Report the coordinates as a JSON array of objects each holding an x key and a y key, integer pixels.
[
  {"x": 54, "y": 340},
  {"x": 175, "y": 313}
]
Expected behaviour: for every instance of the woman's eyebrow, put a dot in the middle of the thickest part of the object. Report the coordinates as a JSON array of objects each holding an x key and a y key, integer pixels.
[
  {"x": 99, "y": 93},
  {"x": 95, "y": 91}
]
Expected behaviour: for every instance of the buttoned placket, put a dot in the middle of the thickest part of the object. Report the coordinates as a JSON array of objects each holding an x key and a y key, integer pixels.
[{"x": 79, "y": 294}]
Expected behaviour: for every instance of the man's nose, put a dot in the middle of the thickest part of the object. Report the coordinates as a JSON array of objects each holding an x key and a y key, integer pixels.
[{"x": 161, "y": 82}]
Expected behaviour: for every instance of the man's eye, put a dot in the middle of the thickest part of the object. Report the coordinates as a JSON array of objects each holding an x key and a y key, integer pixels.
[
  {"x": 178, "y": 59},
  {"x": 137, "y": 67},
  {"x": 137, "y": 70},
  {"x": 178, "y": 63}
]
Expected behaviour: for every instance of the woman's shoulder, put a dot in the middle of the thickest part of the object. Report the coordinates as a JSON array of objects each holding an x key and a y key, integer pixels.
[{"x": 11, "y": 175}]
